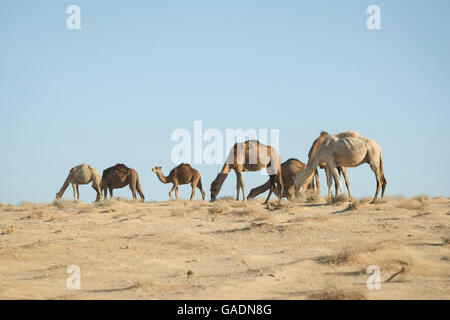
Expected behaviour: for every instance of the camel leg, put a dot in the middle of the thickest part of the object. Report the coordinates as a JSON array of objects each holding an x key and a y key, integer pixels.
[
  {"x": 139, "y": 189},
  {"x": 280, "y": 183},
  {"x": 74, "y": 187},
  {"x": 271, "y": 189},
  {"x": 243, "y": 188},
  {"x": 378, "y": 178},
  {"x": 329, "y": 183},
  {"x": 336, "y": 185},
  {"x": 111, "y": 192},
  {"x": 133, "y": 190},
  {"x": 199, "y": 186},
  {"x": 347, "y": 184},
  {"x": 171, "y": 191},
  {"x": 97, "y": 189},
  {"x": 337, "y": 179},
  {"x": 238, "y": 184},
  {"x": 383, "y": 186},
  {"x": 177, "y": 195},
  {"x": 316, "y": 176},
  {"x": 193, "y": 186},
  {"x": 78, "y": 192}
]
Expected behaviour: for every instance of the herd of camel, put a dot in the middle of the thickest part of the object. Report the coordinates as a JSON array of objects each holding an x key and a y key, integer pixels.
[{"x": 333, "y": 153}]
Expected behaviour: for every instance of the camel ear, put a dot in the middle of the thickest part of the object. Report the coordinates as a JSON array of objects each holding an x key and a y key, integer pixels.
[{"x": 159, "y": 167}]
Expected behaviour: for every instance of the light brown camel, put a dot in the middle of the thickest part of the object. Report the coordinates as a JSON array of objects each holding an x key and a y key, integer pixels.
[
  {"x": 250, "y": 155},
  {"x": 347, "y": 152},
  {"x": 289, "y": 169},
  {"x": 316, "y": 144},
  {"x": 119, "y": 176},
  {"x": 82, "y": 174},
  {"x": 182, "y": 174}
]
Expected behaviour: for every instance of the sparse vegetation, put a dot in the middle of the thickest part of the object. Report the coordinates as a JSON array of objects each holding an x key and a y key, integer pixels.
[
  {"x": 339, "y": 200},
  {"x": 216, "y": 209},
  {"x": 421, "y": 198},
  {"x": 276, "y": 205},
  {"x": 411, "y": 204},
  {"x": 334, "y": 293},
  {"x": 355, "y": 205}
]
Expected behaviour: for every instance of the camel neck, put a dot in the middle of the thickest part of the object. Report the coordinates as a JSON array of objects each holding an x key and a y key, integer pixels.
[
  {"x": 161, "y": 177},
  {"x": 225, "y": 169}
]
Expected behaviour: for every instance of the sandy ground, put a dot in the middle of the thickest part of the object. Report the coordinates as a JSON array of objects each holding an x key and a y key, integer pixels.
[{"x": 226, "y": 250}]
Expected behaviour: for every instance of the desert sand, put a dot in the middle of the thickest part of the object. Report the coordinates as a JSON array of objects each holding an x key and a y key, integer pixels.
[{"x": 226, "y": 249}]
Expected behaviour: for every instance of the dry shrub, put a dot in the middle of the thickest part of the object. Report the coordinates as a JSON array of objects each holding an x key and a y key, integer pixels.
[
  {"x": 216, "y": 209},
  {"x": 63, "y": 204},
  {"x": 339, "y": 200},
  {"x": 8, "y": 230},
  {"x": 421, "y": 198},
  {"x": 309, "y": 196},
  {"x": 348, "y": 255},
  {"x": 355, "y": 205},
  {"x": 411, "y": 204},
  {"x": 334, "y": 293},
  {"x": 277, "y": 205}
]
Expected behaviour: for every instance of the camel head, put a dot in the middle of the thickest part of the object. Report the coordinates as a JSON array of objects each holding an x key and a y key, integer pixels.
[
  {"x": 156, "y": 169},
  {"x": 215, "y": 187}
]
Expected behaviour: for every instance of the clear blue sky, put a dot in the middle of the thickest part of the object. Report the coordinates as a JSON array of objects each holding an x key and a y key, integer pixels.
[{"x": 115, "y": 90}]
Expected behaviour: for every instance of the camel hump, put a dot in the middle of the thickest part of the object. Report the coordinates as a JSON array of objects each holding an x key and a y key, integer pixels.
[{"x": 119, "y": 168}]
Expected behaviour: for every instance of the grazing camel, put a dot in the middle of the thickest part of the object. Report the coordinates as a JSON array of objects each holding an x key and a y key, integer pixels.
[
  {"x": 82, "y": 174},
  {"x": 250, "y": 155},
  {"x": 119, "y": 176},
  {"x": 347, "y": 152},
  {"x": 182, "y": 174},
  {"x": 289, "y": 169},
  {"x": 316, "y": 144}
]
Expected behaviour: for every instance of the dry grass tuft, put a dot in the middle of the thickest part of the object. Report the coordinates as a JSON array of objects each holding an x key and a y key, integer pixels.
[
  {"x": 446, "y": 240},
  {"x": 339, "y": 200},
  {"x": 8, "y": 230},
  {"x": 309, "y": 196},
  {"x": 421, "y": 198},
  {"x": 411, "y": 204},
  {"x": 64, "y": 204},
  {"x": 216, "y": 209},
  {"x": 348, "y": 255},
  {"x": 334, "y": 293},
  {"x": 355, "y": 205},
  {"x": 276, "y": 205}
]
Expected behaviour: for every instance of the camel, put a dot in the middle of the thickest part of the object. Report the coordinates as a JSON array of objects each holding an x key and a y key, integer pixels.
[
  {"x": 119, "y": 176},
  {"x": 82, "y": 174},
  {"x": 289, "y": 169},
  {"x": 182, "y": 174},
  {"x": 344, "y": 152},
  {"x": 250, "y": 155},
  {"x": 343, "y": 170}
]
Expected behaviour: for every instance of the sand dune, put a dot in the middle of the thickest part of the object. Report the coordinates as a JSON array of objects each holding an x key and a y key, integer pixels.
[{"x": 226, "y": 250}]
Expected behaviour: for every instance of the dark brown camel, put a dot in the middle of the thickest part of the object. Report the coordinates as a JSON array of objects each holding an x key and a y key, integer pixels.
[
  {"x": 250, "y": 155},
  {"x": 120, "y": 176},
  {"x": 289, "y": 169},
  {"x": 182, "y": 174}
]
